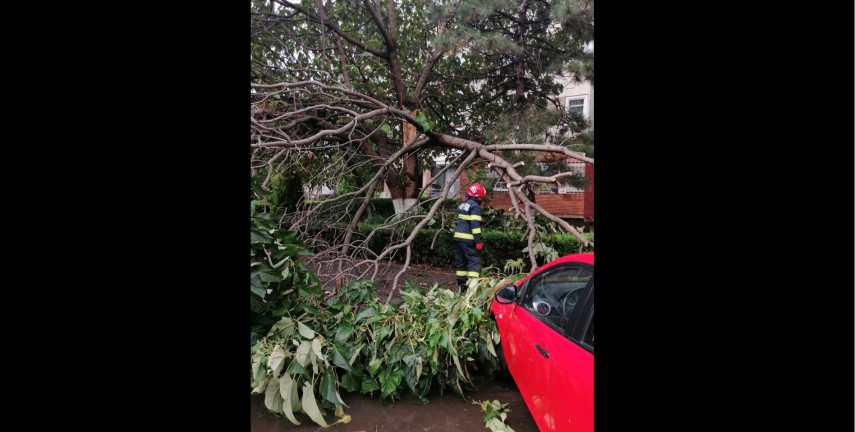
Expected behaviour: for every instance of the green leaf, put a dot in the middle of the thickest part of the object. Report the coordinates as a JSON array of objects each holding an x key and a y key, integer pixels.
[
  {"x": 310, "y": 405},
  {"x": 394, "y": 353},
  {"x": 284, "y": 327},
  {"x": 259, "y": 378},
  {"x": 490, "y": 347},
  {"x": 305, "y": 331},
  {"x": 435, "y": 338},
  {"x": 343, "y": 332},
  {"x": 256, "y": 236},
  {"x": 369, "y": 385},
  {"x": 490, "y": 412},
  {"x": 409, "y": 359},
  {"x": 366, "y": 313},
  {"x": 339, "y": 360},
  {"x": 281, "y": 307},
  {"x": 325, "y": 388},
  {"x": 329, "y": 390},
  {"x": 296, "y": 369},
  {"x": 286, "y": 386},
  {"x": 296, "y": 404},
  {"x": 389, "y": 381},
  {"x": 316, "y": 348},
  {"x": 257, "y": 288},
  {"x": 267, "y": 277},
  {"x": 443, "y": 341},
  {"x": 411, "y": 380},
  {"x": 302, "y": 354},
  {"x": 373, "y": 319},
  {"x": 276, "y": 360},
  {"x": 496, "y": 425},
  {"x": 272, "y": 399},
  {"x": 457, "y": 363},
  {"x": 349, "y": 382},
  {"x": 386, "y": 128},
  {"x": 426, "y": 124},
  {"x": 383, "y": 332},
  {"x": 355, "y": 354},
  {"x": 373, "y": 365}
]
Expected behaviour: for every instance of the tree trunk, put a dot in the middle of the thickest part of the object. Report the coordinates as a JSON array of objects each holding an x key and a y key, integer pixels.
[{"x": 408, "y": 182}]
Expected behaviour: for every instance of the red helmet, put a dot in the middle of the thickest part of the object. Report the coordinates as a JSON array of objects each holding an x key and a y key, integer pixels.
[{"x": 475, "y": 190}]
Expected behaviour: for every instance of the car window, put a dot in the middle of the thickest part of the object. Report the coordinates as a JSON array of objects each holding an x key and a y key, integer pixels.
[{"x": 553, "y": 294}]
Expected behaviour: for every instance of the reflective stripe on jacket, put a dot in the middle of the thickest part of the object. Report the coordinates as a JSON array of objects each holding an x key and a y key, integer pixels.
[{"x": 468, "y": 221}]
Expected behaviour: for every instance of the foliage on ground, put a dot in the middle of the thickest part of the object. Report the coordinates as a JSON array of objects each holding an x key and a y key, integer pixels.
[
  {"x": 354, "y": 342},
  {"x": 279, "y": 281},
  {"x": 495, "y": 414}
]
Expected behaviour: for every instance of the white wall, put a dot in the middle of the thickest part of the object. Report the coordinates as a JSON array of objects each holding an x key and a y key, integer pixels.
[{"x": 573, "y": 90}]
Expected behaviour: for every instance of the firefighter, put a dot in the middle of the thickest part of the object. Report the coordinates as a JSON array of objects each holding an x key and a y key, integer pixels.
[{"x": 467, "y": 236}]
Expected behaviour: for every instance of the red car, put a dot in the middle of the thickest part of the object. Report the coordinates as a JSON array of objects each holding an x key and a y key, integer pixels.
[{"x": 546, "y": 329}]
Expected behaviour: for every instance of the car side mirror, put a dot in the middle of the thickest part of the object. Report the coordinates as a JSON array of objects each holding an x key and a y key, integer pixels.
[{"x": 507, "y": 295}]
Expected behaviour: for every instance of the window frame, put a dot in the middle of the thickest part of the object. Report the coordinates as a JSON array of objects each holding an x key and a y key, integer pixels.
[
  {"x": 581, "y": 335},
  {"x": 583, "y": 98}
]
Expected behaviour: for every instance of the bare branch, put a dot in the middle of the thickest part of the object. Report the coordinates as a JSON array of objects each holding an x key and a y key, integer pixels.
[
  {"x": 434, "y": 58},
  {"x": 378, "y": 22},
  {"x": 334, "y": 28},
  {"x": 542, "y": 148},
  {"x": 398, "y": 276},
  {"x": 532, "y": 231},
  {"x": 433, "y": 210},
  {"x": 540, "y": 179}
]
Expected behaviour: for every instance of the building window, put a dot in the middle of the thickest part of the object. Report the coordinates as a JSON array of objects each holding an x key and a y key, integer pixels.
[
  {"x": 577, "y": 105},
  {"x": 578, "y": 169},
  {"x": 438, "y": 182},
  {"x": 495, "y": 182}
]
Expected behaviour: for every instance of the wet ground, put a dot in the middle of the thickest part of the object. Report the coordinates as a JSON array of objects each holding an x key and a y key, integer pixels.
[
  {"x": 421, "y": 275},
  {"x": 444, "y": 413}
]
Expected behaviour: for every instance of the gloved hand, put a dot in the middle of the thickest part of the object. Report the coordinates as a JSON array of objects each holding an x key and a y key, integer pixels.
[{"x": 479, "y": 246}]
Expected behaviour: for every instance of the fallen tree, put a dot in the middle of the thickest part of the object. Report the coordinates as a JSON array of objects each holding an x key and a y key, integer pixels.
[{"x": 354, "y": 96}]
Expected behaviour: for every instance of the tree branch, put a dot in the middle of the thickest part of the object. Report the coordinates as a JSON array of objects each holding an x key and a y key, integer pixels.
[{"x": 334, "y": 28}]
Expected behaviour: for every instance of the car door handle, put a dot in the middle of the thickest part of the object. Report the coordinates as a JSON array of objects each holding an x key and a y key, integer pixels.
[{"x": 543, "y": 352}]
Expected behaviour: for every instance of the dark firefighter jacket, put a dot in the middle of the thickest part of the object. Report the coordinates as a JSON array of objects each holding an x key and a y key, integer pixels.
[{"x": 468, "y": 221}]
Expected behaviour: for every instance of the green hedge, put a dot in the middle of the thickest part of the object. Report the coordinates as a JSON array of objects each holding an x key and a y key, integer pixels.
[
  {"x": 381, "y": 208},
  {"x": 384, "y": 208}
]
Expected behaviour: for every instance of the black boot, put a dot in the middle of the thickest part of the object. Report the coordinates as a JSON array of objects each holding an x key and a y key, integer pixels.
[{"x": 461, "y": 284}]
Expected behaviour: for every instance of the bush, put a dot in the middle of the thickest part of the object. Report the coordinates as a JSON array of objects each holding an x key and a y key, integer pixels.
[{"x": 383, "y": 208}]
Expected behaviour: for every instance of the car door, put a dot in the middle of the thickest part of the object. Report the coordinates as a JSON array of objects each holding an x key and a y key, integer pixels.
[
  {"x": 537, "y": 335},
  {"x": 571, "y": 391}
]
